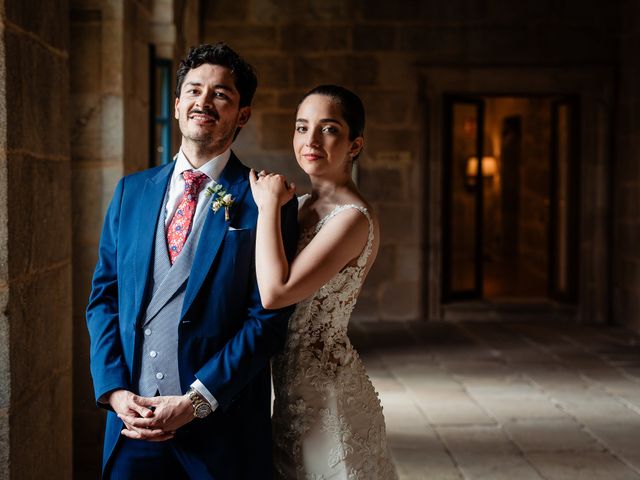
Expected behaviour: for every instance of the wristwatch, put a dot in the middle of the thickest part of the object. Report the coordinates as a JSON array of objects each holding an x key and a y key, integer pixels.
[{"x": 201, "y": 407}]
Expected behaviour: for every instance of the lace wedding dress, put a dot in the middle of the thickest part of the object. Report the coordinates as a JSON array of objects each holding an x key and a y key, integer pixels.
[{"x": 327, "y": 417}]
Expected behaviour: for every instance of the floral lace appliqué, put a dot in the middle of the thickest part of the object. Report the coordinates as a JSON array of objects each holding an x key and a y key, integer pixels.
[{"x": 328, "y": 421}]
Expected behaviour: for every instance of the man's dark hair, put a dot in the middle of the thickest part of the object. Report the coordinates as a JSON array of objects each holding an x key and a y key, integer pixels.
[{"x": 223, "y": 55}]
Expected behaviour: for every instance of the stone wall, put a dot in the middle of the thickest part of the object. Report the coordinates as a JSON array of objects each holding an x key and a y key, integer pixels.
[
  {"x": 375, "y": 47},
  {"x": 626, "y": 186},
  {"x": 35, "y": 231}
]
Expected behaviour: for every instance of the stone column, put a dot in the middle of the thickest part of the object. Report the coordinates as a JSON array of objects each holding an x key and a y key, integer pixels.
[
  {"x": 109, "y": 68},
  {"x": 35, "y": 233}
]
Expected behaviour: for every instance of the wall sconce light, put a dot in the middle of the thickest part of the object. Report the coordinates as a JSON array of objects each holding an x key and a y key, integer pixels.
[{"x": 489, "y": 169}]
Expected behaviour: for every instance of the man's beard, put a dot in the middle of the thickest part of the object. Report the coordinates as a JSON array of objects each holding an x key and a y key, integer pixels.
[
  {"x": 203, "y": 138},
  {"x": 209, "y": 138}
]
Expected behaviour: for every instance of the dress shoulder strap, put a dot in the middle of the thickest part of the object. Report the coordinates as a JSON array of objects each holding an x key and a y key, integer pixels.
[
  {"x": 302, "y": 199},
  {"x": 364, "y": 256}
]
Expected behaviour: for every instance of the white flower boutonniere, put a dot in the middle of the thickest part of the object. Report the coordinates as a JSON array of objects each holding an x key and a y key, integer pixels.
[{"x": 221, "y": 199}]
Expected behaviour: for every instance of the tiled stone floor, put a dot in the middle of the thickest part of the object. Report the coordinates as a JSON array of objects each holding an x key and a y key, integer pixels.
[{"x": 507, "y": 400}]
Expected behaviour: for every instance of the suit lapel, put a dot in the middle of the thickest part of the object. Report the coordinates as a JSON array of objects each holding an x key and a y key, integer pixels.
[
  {"x": 151, "y": 202},
  {"x": 233, "y": 179},
  {"x": 174, "y": 276}
]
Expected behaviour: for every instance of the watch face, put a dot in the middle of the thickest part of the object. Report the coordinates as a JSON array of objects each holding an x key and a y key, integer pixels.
[{"x": 202, "y": 410}]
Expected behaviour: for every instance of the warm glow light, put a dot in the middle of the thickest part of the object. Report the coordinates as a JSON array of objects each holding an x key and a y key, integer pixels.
[{"x": 489, "y": 166}]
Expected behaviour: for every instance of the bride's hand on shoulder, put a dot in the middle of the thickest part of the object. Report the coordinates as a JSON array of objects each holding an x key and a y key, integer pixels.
[{"x": 270, "y": 188}]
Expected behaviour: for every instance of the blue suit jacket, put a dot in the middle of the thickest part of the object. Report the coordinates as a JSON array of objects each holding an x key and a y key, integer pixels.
[{"x": 225, "y": 335}]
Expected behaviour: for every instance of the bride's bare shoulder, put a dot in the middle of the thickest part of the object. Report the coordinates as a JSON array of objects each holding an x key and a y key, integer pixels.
[{"x": 356, "y": 198}]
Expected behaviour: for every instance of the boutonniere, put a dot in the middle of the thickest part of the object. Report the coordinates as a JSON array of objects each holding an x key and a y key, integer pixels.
[{"x": 221, "y": 199}]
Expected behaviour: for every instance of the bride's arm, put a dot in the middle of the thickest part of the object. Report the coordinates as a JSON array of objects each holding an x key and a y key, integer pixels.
[
  {"x": 339, "y": 242},
  {"x": 272, "y": 266}
]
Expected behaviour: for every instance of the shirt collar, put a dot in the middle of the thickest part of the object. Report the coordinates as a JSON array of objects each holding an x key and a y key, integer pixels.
[{"x": 212, "y": 169}]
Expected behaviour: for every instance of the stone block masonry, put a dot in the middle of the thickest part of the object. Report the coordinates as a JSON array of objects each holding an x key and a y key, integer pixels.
[
  {"x": 374, "y": 48},
  {"x": 35, "y": 231}
]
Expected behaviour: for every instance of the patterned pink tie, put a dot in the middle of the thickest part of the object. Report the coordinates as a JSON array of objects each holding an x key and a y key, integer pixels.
[{"x": 180, "y": 224}]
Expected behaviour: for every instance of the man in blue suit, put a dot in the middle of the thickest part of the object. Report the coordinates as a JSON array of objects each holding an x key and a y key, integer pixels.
[{"x": 180, "y": 343}]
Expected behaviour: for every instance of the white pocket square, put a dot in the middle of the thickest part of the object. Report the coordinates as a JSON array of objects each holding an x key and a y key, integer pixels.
[{"x": 233, "y": 229}]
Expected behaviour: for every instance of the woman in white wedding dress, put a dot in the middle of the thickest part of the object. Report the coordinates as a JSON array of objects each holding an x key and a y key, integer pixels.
[{"x": 327, "y": 419}]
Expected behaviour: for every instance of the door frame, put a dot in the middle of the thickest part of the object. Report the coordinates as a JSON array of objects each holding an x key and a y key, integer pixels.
[
  {"x": 570, "y": 294},
  {"x": 447, "y": 254},
  {"x": 594, "y": 87}
]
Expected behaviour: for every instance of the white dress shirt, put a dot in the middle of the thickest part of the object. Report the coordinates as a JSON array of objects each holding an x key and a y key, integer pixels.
[{"x": 212, "y": 169}]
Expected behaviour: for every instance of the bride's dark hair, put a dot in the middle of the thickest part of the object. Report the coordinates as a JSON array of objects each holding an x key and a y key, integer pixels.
[{"x": 350, "y": 104}]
